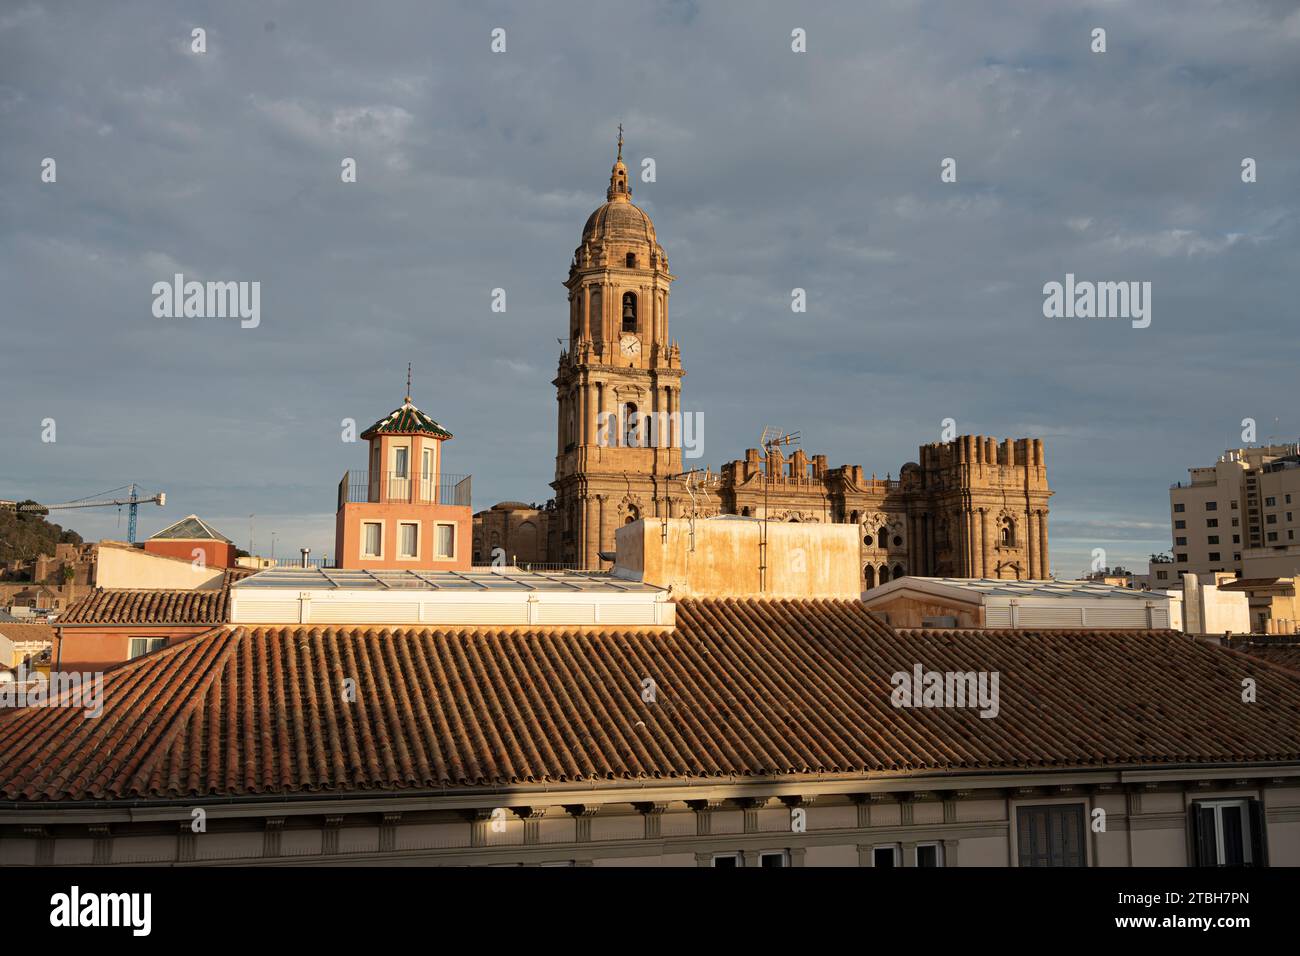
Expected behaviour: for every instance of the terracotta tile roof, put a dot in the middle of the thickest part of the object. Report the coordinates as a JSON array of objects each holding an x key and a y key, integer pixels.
[
  {"x": 1248, "y": 584},
  {"x": 27, "y": 632},
  {"x": 1283, "y": 653},
  {"x": 121, "y": 606},
  {"x": 744, "y": 689},
  {"x": 236, "y": 574}
]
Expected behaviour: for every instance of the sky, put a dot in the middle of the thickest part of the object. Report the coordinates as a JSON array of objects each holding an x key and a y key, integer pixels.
[{"x": 774, "y": 170}]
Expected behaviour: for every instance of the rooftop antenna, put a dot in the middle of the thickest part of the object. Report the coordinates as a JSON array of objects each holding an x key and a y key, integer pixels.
[
  {"x": 708, "y": 481},
  {"x": 771, "y": 439}
]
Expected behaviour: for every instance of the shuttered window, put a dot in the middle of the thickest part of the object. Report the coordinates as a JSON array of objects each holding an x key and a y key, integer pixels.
[{"x": 1051, "y": 835}]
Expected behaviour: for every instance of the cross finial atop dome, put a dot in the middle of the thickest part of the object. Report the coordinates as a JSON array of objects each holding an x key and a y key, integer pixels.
[
  {"x": 408, "y": 383},
  {"x": 620, "y": 142}
]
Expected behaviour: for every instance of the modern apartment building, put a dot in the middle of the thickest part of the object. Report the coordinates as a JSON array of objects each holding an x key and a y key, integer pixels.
[{"x": 1239, "y": 514}]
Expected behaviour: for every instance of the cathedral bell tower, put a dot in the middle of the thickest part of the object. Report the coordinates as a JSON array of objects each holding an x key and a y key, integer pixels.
[{"x": 618, "y": 387}]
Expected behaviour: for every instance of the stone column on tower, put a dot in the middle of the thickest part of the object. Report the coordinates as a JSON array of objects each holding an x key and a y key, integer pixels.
[
  {"x": 1044, "y": 556},
  {"x": 1031, "y": 554},
  {"x": 985, "y": 564}
]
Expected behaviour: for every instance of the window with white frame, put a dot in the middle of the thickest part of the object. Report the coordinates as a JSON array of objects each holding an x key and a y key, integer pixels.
[
  {"x": 726, "y": 860},
  {"x": 400, "y": 464},
  {"x": 446, "y": 541},
  {"x": 372, "y": 539},
  {"x": 1227, "y": 832},
  {"x": 929, "y": 854},
  {"x": 146, "y": 645},
  {"x": 408, "y": 540},
  {"x": 774, "y": 858},
  {"x": 886, "y": 856}
]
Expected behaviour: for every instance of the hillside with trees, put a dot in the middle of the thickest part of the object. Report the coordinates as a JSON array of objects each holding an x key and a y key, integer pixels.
[{"x": 24, "y": 536}]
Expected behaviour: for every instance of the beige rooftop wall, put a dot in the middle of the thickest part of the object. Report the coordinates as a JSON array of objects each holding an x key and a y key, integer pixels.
[
  {"x": 722, "y": 558},
  {"x": 121, "y": 566}
]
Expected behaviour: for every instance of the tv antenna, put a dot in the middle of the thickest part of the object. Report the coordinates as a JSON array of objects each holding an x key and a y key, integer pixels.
[
  {"x": 707, "y": 481},
  {"x": 772, "y": 439}
]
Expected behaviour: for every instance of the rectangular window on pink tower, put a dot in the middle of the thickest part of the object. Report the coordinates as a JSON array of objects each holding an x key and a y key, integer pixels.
[
  {"x": 446, "y": 541},
  {"x": 372, "y": 539},
  {"x": 410, "y": 540}
]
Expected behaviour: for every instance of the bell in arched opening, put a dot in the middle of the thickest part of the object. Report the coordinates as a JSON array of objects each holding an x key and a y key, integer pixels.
[{"x": 629, "y": 312}]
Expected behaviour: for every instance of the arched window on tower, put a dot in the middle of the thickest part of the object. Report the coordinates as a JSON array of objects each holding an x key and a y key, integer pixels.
[
  {"x": 631, "y": 426},
  {"x": 1008, "y": 535},
  {"x": 884, "y": 574},
  {"x": 593, "y": 316},
  {"x": 883, "y": 537},
  {"x": 629, "y": 312},
  {"x": 631, "y": 260},
  {"x": 898, "y": 571},
  {"x": 869, "y": 577}
]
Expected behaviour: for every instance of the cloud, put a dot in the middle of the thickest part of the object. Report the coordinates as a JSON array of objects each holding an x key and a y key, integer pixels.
[
  {"x": 1171, "y": 242},
  {"x": 774, "y": 170}
]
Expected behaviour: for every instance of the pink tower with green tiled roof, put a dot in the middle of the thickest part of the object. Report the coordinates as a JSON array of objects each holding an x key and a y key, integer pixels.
[{"x": 403, "y": 511}]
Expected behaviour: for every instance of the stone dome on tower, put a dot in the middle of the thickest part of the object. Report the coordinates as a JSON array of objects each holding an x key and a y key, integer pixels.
[{"x": 619, "y": 219}]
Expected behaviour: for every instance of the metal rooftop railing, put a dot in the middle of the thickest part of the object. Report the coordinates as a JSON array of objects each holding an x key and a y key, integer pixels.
[{"x": 401, "y": 488}]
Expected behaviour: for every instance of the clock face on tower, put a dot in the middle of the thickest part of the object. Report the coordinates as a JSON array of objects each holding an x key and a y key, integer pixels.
[{"x": 630, "y": 346}]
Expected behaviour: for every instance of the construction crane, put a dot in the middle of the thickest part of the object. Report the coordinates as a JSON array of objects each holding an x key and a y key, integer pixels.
[{"x": 133, "y": 500}]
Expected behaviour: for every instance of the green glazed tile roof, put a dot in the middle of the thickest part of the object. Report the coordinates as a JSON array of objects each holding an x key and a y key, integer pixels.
[{"x": 407, "y": 420}]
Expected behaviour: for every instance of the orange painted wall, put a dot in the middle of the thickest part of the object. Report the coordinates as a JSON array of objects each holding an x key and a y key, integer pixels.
[
  {"x": 348, "y": 538},
  {"x": 95, "y": 648},
  {"x": 216, "y": 554}
]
